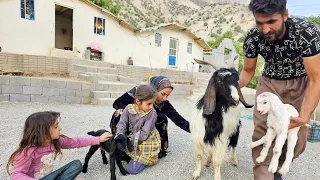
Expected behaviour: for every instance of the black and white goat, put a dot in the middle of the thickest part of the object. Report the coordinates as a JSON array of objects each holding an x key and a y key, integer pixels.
[
  {"x": 116, "y": 146},
  {"x": 216, "y": 120}
]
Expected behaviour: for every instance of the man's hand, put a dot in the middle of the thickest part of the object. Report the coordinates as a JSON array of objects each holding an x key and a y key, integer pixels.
[
  {"x": 105, "y": 137},
  {"x": 297, "y": 121}
]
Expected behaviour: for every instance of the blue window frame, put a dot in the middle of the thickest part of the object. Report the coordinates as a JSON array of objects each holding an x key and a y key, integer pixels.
[
  {"x": 27, "y": 9},
  {"x": 99, "y": 26}
]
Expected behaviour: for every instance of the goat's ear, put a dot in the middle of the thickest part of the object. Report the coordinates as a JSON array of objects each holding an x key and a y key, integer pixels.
[
  {"x": 272, "y": 101},
  {"x": 113, "y": 146},
  {"x": 210, "y": 98}
]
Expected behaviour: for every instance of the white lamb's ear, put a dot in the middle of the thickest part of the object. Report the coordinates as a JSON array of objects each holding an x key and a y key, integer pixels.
[{"x": 271, "y": 100}]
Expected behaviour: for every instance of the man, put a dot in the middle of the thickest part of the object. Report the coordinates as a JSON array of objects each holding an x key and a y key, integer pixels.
[{"x": 291, "y": 50}]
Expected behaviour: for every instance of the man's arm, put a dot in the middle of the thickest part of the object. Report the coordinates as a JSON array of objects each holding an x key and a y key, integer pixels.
[
  {"x": 312, "y": 96},
  {"x": 248, "y": 71}
]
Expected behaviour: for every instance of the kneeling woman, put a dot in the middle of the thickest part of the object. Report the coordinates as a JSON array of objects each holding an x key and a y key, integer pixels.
[
  {"x": 138, "y": 121},
  {"x": 163, "y": 107}
]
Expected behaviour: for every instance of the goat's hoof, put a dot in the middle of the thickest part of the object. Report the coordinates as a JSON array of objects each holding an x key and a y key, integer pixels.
[
  {"x": 260, "y": 159},
  {"x": 235, "y": 164},
  {"x": 195, "y": 177},
  {"x": 207, "y": 164},
  {"x": 84, "y": 170},
  {"x": 105, "y": 162},
  {"x": 234, "y": 161},
  {"x": 283, "y": 171}
]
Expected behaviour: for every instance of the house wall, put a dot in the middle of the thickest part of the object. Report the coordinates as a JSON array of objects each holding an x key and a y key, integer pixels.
[
  {"x": 118, "y": 44},
  {"x": 159, "y": 55},
  {"x": 24, "y": 36}
]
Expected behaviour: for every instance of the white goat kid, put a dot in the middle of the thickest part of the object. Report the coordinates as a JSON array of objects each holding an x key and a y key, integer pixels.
[{"x": 278, "y": 121}]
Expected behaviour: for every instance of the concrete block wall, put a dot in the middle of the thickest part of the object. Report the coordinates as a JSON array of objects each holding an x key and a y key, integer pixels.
[
  {"x": 65, "y": 66},
  {"x": 34, "y": 64},
  {"x": 29, "y": 89},
  {"x": 144, "y": 73}
]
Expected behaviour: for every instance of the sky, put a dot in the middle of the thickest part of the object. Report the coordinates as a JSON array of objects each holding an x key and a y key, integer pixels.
[{"x": 304, "y": 7}]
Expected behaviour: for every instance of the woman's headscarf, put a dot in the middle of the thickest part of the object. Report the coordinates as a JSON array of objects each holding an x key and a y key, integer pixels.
[{"x": 160, "y": 82}]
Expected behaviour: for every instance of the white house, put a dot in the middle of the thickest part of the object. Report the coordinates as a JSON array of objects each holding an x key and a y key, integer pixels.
[{"x": 63, "y": 27}]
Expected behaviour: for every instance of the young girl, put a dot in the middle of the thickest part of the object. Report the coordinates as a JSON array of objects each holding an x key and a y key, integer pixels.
[
  {"x": 162, "y": 105},
  {"x": 40, "y": 146},
  {"x": 138, "y": 120}
]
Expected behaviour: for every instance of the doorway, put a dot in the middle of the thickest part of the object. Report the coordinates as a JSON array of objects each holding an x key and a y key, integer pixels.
[{"x": 63, "y": 28}]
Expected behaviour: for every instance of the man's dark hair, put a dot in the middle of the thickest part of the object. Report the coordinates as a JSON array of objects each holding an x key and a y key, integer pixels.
[{"x": 268, "y": 6}]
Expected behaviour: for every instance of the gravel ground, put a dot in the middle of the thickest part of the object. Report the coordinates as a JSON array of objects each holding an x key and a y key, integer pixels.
[{"x": 178, "y": 165}]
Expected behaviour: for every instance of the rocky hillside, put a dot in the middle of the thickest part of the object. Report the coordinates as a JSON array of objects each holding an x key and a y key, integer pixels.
[{"x": 206, "y": 18}]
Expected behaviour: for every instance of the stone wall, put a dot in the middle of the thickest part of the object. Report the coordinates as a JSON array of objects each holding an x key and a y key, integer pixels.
[{"x": 29, "y": 89}]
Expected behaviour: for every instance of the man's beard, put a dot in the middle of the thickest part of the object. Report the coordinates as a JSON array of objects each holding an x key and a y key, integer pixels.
[{"x": 276, "y": 34}]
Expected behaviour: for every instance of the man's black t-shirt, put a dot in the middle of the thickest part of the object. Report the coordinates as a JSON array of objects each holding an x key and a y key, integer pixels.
[{"x": 283, "y": 58}]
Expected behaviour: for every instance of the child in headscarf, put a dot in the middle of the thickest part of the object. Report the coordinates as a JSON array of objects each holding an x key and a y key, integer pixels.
[{"x": 163, "y": 107}]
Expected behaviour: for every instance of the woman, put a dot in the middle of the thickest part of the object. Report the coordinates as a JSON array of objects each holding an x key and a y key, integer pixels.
[{"x": 162, "y": 105}]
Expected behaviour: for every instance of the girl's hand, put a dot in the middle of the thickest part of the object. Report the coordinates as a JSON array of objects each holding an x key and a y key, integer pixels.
[{"x": 105, "y": 137}]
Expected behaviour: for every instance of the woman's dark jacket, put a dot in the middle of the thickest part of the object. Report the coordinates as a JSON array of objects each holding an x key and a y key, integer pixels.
[{"x": 166, "y": 108}]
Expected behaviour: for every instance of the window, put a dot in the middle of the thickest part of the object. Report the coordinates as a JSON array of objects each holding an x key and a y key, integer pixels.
[
  {"x": 189, "y": 48},
  {"x": 27, "y": 9},
  {"x": 158, "y": 38},
  {"x": 99, "y": 26}
]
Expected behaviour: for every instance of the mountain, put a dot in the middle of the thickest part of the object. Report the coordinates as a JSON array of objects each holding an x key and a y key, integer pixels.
[{"x": 206, "y": 18}]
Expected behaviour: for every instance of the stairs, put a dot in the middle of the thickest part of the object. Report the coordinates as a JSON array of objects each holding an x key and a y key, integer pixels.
[
  {"x": 64, "y": 53},
  {"x": 107, "y": 85}
]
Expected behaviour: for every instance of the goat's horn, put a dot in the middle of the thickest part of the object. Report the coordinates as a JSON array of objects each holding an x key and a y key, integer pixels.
[
  {"x": 206, "y": 63},
  {"x": 236, "y": 57},
  {"x": 242, "y": 99}
]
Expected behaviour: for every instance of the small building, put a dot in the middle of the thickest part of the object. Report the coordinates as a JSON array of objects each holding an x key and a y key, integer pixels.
[{"x": 66, "y": 28}]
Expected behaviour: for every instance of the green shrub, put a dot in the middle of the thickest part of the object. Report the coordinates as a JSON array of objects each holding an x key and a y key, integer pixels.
[{"x": 239, "y": 49}]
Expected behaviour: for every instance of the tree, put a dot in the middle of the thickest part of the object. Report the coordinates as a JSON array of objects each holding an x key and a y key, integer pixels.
[
  {"x": 108, "y": 5},
  {"x": 239, "y": 49},
  {"x": 215, "y": 44}
]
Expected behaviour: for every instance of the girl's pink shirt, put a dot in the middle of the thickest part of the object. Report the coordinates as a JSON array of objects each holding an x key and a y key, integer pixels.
[{"x": 39, "y": 162}]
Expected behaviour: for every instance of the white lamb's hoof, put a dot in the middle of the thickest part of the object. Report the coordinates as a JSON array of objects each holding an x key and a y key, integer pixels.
[
  {"x": 207, "y": 164},
  {"x": 195, "y": 176},
  {"x": 260, "y": 159},
  {"x": 283, "y": 171},
  {"x": 272, "y": 168}
]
